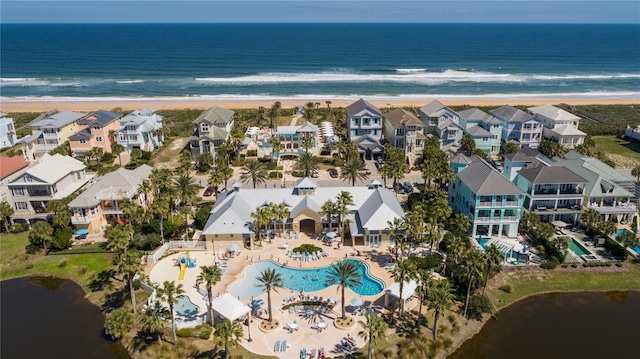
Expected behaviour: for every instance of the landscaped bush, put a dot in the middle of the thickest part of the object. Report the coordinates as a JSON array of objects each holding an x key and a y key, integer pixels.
[
  {"x": 325, "y": 151},
  {"x": 478, "y": 305},
  {"x": 17, "y": 227},
  {"x": 62, "y": 238},
  {"x": 307, "y": 247},
  {"x": 271, "y": 165},
  {"x": 82, "y": 270},
  {"x": 252, "y": 153},
  {"x": 550, "y": 263},
  {"x": 202, "y": 331},
  {"x": 200, "y": 219},
  {"x": 63, "y": 263},
  {"x": 615, "y": 249},
  {"x": 618, "y": 264},
  {"x": 505, "y": 288},
  {"x": 275, "y": 174}
]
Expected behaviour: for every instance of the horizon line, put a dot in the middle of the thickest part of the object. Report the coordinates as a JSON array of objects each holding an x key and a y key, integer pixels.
[{"x": 318, "y": 23}]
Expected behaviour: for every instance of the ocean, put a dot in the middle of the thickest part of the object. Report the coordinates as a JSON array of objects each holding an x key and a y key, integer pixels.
[{"x": 271, "y": 61}]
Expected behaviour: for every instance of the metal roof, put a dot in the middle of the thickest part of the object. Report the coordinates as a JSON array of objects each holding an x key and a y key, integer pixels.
[
  {"x": 361, "y": 105},
  {"x": 511, "y": 114},
  {"x": 551, "y": 175},
  {"x": 483, "y": 179}
]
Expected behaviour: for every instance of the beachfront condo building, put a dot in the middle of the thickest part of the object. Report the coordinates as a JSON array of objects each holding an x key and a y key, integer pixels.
[
  {"x": 53, "y": 178},
  {"x": 100, "y": 204},
  {"x": 608, "y": 191},
  {"x": 492, "y": 203},
  {"x": 404, "y": 130},
  {"x": 485, "y": 129},
  {"x": 95, "y": 131},
  {"x": 139, "y": 129},
  {"x": 364, "y": 128},
  {"x": 49, "y": 131},
  {"x": 211, "y": 129},
  {"x": 559, "y": 125},
  {"x": 10, "y": 168},
  {"x": 294, "y": 138},
  {"x": 7, "y": 131},
  {"x": 519, "y": 127},
  {"x": 373, "y": 206}
]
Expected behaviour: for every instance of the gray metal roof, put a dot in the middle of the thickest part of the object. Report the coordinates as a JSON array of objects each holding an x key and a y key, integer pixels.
[
  {"x": 432, "y": 107},
  {"x": 460, "y": 158},
  {"x": 122, "y": 178},
  {"x": 477, "y": 131},
  {"x": 554, "y": 113},
  {"x": 551, "y": 175},
  {"x": 525, "y": 154},
  {"x": 399, "y": 116},
  {"x": 100, "y": 117},
  {"x": 306, "y": 183},
  {"x": 483, "y": 179},
  {"x": 83, "y": 134},
  {"x": 361, "y": 105},
  {"x": 511, "y": 114},
  {"x": 57, "y": 120},
  {"x": 215, "y": 114}
]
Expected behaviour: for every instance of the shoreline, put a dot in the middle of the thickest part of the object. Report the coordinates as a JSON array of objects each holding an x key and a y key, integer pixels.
[{"x": 178, "y": 103}]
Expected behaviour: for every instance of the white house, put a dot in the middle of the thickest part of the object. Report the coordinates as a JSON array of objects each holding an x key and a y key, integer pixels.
[
  {"x": 559, "y": 124},
  {"x": 404, "y": 130},
  {"x": 137, "y": 130},
  {"x": 7, "y": 131},
  {"x": 211, "y": 129},
  {"x": 364, "y": 127}
]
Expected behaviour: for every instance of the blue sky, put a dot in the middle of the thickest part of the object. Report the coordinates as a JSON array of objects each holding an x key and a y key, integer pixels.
[{"x": 354, "y": 11}]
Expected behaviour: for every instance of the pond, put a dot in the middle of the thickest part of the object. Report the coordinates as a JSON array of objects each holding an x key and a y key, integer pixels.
[
  {"x": 46, "y": 317},
  {"x": 560, "y": 325}
]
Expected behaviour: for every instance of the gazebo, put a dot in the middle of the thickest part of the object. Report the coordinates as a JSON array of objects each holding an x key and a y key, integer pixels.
[
  {"x": 392, "y": 293},
  {"x": 229, "y": 307}
]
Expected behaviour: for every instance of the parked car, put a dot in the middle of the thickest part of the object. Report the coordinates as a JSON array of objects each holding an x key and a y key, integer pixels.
[
  {"x": 333, "y": 173},
  {"x": 315, "y": 173},
  {"x": 399, "y": 188},
  {"x": 408, "y": 188},
  {"x": 209, "y": 191},
  {"x": 222, "y": 189}
]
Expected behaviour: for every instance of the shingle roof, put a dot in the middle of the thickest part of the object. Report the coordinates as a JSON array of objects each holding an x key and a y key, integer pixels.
[
  {"x": 215, "y": 115},
  {"x": 51, "y": 169},
  {"x": 368, "y": 142},
  {"x": 11, "y": 165},
  {"x": 361, "y": 105},
  {"x": 477, "y": 131},
  {"x": 460, "y": 158},
  {"x": 550, "y": 174},
  {"x": 432, "y": 107},
  {"x": 399, "y": 116},
  {"x": 100, "y": 117},
  {"x": 511, "y": 114},
  {"x": 525, "y": 154},
  {"x": 483, "y": 179},
  {"x": 120, "y": 178}
]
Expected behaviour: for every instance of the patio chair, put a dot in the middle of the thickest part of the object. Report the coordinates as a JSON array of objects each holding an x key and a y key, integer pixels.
[
  {"x": 283, "y": 346},
  {"x": 276, "y": 347}
]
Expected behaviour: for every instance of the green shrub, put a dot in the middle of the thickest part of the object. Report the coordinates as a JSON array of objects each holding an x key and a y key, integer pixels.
[
  {"x": 28, "y": 266},
  {"x": 201, "y": 217},
  {"x": 271, "y": 165},
  {"x": 17, "y": 227},
  {"x": 618, "y": 264},
  {"x": 478, "y": 305},
  {"x": 307, "y": 247},
  {"x": 82, "y": 270},
  {"x": 252, "y": 153},
  {"x": 550, "y": 263},
  {"x": 325, "y": 151},
  {"x": 505, "y": 288},
  {"x": 574, "y": 265},
  {"x": 202, "y": 331},
  {"x": 62, "y": 263},
  {"x": 275, "y": 174}
]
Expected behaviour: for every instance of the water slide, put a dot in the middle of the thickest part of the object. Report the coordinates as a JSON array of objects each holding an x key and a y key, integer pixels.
[{"x": 183, "y": 268}]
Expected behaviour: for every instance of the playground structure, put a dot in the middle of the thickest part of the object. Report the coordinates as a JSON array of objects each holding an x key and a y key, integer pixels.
[{"x": 185, "y": 262}]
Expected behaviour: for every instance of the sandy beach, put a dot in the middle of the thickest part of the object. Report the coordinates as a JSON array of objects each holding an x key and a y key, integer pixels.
[{"x": 92, "y": 104}]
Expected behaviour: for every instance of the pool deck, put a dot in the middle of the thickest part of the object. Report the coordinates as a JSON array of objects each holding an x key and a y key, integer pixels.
[{"x": 305, "y": 337}]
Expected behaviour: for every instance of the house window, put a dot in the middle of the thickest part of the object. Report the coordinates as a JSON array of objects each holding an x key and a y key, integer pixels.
[
  {"x": 98, "y": 138},
  {"x": 122, "y": 137},
  {"x": 78, "y": 175},
  {"x": 18, "y": 191},
  {"x": 82, "y": 141},
  {"x": 21, "y": 206},
  {"x": 204, "y": 127},
  {"x": 28, "y": 178},
  {"x": 94, "y": 210},
  {"x": 96, "y": 128}
]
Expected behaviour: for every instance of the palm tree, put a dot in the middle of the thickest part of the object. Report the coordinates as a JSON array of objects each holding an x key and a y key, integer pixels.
[
  {"x": 228, "y": 334},
  {"x": 269, "y": 279},
  {"x": 425, "y": 282},
  {"x": 493, "y": 258},
  {"x": 307, "y": 143},
  {"x": 117, "y": 149},
  {"x": 440, "y": 299},
  {"x": 329, "y": 209},
  {"x": 456, "y": 247},
  {"x": 170, "y": 293},
  {"x": 160, "y": 207},
  {"x": 306, "y": 163},
  {"x": 261, "y": 219},
  {"x": 160, "y": 180},
  {"x": 343, "y": 200},
  {"x": 129, "y": 266},
  {"x": 353, "y": 170},
  {"x": 374, "y": 327},
  {"x": 216, "y": 179},
  {"x": 635, "y": 172},
  {"x": 458, "y": 224},
  {"x": 41, "y": 233},
  {"x": 256, "y": 172},
  {"x": 402, "y": 272},
  {"x": 118, "y": 323},
  {"x": 145, "y": 189},
  {"x": 396, "y": 230},
  {"x": 473, "y": 263},
  {"x": 186, "y": 188},
  {"x": 282, "y": 212},
  {"x": 274, "y": 113},
  {"x": 591, "y": 217},
  {"x": 210, "y": 275},
  {"x": 386, "y": 171},
  {"x": 6, "y": 211},
  {"x": 237, "y": 136},
  {"x": 345, "y": 274},
  {"x": 154, "y": 319},
  {"x": 276, "y": 145}
]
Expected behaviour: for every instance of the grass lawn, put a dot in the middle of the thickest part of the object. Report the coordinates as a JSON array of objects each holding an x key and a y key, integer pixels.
[
  {"x": 624, "y": 153},
  {"x": 524, "y": 283},
  {"x": 17, "y": 263}
]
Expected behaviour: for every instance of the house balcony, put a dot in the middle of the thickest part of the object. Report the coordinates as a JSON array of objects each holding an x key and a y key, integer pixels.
[
  {"x": 116, "y": 193},
  {"x": 485, "y": 204},
  {"x": 511, "y": 204},
  {"x": 112, "y": 210},
  {"x": 81, "y": 219},
  {"x": 44, "y": 147},
  {"x": 50, "y": 135}
]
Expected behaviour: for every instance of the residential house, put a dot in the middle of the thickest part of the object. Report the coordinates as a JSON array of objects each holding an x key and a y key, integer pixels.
[
  {"x": 10, "y": 168},
  {"x": 99, "y": 204},
  {"x": 492, "y": 203},
  {"x": 404, "y": 130},
  {"x": 552, "y": 192},
  {"x": 292, "y": 139},
  {"x": 633, "y": 133},
  {"x": 364, "y": 127},
  {"x": 139, "y": 130},
  {"x": 444, "y": 123},
  {"x": 7, "y": 131},
  {"x": 485, "y": 129},
  {"x": 608, "y": 191},
  {"x": 53, "y": 178},
  {"x": 96, "y": 131},
  {"x": 49, "y": 131},
  {"x": 459, "y": 161},
  {"x": 559, "y": 125},
  {"x": 373, "y": 206},
  {"x": 526, "y": 157},
  {"x": 519, "y": 126},
  {"x": 211, "y": 129}
]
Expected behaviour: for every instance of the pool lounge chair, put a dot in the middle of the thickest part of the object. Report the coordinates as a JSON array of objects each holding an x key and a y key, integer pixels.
[
  {"x": 303, "y": 353},
  {"x": 276, "y": 347},
  {"x": 283, "y": 346}
]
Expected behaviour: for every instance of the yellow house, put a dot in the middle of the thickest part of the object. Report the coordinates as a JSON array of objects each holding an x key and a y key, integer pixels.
[
  {"x": 373, "y": 206},
  {"x": 49, "y": 132}
]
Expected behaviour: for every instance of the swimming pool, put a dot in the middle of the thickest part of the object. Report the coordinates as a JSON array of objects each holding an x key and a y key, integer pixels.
[
  {"x": 622, "y": 230},
  {"x": 184, "y": 306},
  {"x": 577, "y": 248},
  {"x": 296, "y": 279}
]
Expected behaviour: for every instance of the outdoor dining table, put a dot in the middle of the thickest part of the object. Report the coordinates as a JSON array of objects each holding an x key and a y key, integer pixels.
[
  {"x": 309, "y": 312},
  {"x": 293, "y": 326},
  {"x": 322, "y": 325}
]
